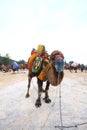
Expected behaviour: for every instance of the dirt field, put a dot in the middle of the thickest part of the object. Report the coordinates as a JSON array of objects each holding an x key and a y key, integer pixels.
[
  {"x": 68, "y": 109},
  {"x": 10, "y": 78}
]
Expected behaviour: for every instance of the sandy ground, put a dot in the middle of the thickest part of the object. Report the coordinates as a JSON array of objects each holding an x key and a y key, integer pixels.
[
  {"x": 9, "y": 78},
  {"x": 68, "y": 109}
]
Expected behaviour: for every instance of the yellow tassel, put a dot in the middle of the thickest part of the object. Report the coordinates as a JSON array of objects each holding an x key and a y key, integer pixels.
[{"x": 40, "y": 48}]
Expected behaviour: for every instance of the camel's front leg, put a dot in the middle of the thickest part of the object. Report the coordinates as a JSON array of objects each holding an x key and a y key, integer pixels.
[
  {"x": 38, "y": 101},
  {"x": 46, "y": 98},
  {"x": 29, "y": 81}
]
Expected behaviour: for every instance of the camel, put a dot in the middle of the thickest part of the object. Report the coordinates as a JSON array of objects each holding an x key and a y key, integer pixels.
[
  {"x": 72, "y": 66},
  {"x": 14, "y": 66},
  {"x": 4, "y": 68},
  {"x": 23, "y": 66},
  {"x": 53, "y": 73}
]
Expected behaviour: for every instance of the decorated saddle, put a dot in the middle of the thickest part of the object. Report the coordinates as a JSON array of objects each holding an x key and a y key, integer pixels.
[
  {"x": 38, "y": 61},
  {"x": 39, "y": 66}
]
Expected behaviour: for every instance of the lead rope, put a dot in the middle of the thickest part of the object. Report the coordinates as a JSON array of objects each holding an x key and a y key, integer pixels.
[
  {"x": 52, "y": 109},
  {"x": 61, "y": 126},
  {"x": 61, "y": 121},
  {"x": 60, "y": 108}
]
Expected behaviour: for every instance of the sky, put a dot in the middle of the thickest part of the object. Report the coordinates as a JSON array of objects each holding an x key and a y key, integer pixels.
[{"x": 57, "y": 24}]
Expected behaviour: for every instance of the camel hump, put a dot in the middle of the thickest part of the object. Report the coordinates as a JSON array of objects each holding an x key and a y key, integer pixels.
[{"x": 56, "y": 52}]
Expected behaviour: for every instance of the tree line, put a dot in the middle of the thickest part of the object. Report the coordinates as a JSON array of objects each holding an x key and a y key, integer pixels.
[{"x": 6, "y": 60}]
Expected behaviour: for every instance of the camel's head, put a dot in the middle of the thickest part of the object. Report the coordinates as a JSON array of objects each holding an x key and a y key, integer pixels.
[
  {"x": 57, "y": 59},
  {"x": 59, "y": 63}
]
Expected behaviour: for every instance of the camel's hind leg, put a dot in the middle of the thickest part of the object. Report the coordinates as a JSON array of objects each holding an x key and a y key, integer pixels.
[
  {"x": 46, "y": 98},
  {"x": 29, "y": 82}
]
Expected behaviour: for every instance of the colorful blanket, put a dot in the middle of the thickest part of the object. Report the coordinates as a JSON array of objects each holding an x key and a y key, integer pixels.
[{"x": 43, "y": 73}]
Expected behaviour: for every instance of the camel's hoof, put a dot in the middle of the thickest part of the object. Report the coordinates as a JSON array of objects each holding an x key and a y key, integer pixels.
[
  {"x": 27, "y": 95},
  {"x": 38, "y": 103},
  {"x": 47, "y": 100}
]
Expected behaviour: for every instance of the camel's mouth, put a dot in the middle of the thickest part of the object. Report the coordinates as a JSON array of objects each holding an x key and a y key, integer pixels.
[{"x": 59, "y": 65}]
